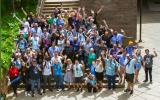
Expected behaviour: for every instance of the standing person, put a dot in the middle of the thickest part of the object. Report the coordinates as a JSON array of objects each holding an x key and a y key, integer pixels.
[
  {"x": 22, "y": 44},
  {"x": 99, "y": 72},
  {"x": 130, "y": 70},
  {"x": 57, "y": 70},
  {"x": 47, "y": 73},
  {"x": 122, "y": 59},
  {"x": 111, "y": 69},
  {"x": 13, "y": 74},
  {"x": 69, "y": 73},
  {"x": 148, "y": 63},
  {"x": 138, "y": 64},
  {"x": 91, "y": 57},
  {"x": 35, "y": 77},
  {"x": 78, "y": 74}
]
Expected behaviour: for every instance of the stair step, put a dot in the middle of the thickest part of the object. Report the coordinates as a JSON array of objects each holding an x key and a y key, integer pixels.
[
  {"x": 51, "y": 11},
  {"x": 51, "y": 8},
  {"x": 105, "y": 85},
  {"x": 59, "y": 5},
  {"x": 64, "y": 1}
]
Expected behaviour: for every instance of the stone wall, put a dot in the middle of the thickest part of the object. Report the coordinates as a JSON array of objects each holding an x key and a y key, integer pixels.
[{"x": 118, "y": 13}]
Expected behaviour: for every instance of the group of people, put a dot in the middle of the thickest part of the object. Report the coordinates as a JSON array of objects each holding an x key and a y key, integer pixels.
[{"x": 72, "y": 49}]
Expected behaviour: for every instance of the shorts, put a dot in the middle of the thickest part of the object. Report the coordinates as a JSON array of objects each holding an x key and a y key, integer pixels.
[
  {"x": 78, "y": 80},
  {"x": 130, "y": 77},
  {"x": 99, "y": 76},
  {"x": 138, "y": 66}
]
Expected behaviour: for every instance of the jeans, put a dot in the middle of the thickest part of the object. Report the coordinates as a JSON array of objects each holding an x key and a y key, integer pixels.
[
  {"x": 111, "y": 80},
  {"x": 14, "y": 84},
  {"x": 46, "y": 78},
  {"x": 35, "y": 83},
  {"x": 59, "y": 82},
  {"x": 150, "y": 73}
]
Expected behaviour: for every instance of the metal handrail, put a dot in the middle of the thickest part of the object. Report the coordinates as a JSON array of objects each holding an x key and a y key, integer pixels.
[{"x": 39, "y": 6}]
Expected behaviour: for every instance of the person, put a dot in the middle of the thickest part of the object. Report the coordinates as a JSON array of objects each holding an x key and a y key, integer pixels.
[
  {"x": 35, "y": 77},
  {"x": 130, "y": 71},
  {"x": 22, "y": 44},
  {"x": 47, "y": 73},
  {"x": 78, "y": 74},
  {"x": 122, "y": 60},
  {"x": 35, "y": 40},
  {"x": 99, "y": 72},
  {"x": 57, "y": 70},
  {"x": 91, "y": 83},
  {"x": 130, "y": 48},
  {"x": 138, "y": 64},
  {"x": 111, "y": 71},
  {"x": 69, "y": 73},
  {"x": 13, "y": 75},
  {"x": 148, "y": 64},
  {"x": 91, "y": 57}
]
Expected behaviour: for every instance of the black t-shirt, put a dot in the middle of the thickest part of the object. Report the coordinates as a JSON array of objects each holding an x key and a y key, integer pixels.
[
  {"x": 148, "y": 60},
  {"x": 107, "y": 39}
]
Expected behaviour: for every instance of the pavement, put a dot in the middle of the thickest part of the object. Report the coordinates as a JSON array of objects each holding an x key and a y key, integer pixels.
[{"x": 142, "y": 91}]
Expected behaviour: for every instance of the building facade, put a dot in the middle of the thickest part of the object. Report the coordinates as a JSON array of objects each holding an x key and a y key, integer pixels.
[{"x": 117, "y": 13}]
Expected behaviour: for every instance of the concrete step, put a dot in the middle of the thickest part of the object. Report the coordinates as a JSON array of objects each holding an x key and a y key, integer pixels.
[
  {"x": 59, "y": 5},
  {"x": 49, "y": 5},
  {"x": 51, "y": 8},
  {"x": 55, "y": 1},
  {"x": 84, "y": 85},
  {"x": 51, "y": 11}
]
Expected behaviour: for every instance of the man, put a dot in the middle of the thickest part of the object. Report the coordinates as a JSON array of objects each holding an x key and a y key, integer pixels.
[
  {"x": 52, "y": 49},
  {"x": 37, "y": 30},
  {"x": 148, "y": 63},
  {"x": 130, "y": 70},
  {"x": 22, "y": 44},
  {"x": 35, "y": 40},
  {"x": 47, "y": 73},
  {"x": 35, "y": 77},
  {"x": 111, "y": 69},
  {"x": 78, "y": 74}
]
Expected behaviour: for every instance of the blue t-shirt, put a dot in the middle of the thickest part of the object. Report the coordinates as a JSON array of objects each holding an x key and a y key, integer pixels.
[
  {"x": 130, "y": 50},
  {"x": 110, "y": 67},
  {"x": 57, "y": 69}
]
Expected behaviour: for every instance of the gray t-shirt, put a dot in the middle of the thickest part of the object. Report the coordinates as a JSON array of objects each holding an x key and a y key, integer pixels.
[{"x": 148, "y": 60}]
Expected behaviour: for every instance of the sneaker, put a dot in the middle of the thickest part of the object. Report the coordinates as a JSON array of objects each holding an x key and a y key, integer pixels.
[
  {"x": 32, "y": 95},
  {"x": 51, "y": 90},
  {"x": 145, "y": 81},
  {"x": 131, "y": 92},
  {"x": 26, "y": 93},
  {"x": 40, "y": 93},
  {"x": 77, "y": 90},
  {"x": 44, "y": 91},
  {"x": 126, "y": 90},
  {"x": 81, "y": 89}
]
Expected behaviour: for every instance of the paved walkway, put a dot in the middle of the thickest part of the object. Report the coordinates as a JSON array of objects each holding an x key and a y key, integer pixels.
[{"x": 143, "y": 91}]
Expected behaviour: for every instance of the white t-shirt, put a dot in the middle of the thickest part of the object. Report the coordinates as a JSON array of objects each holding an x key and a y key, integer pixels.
[
  {"x": 47, "y": 68},
  {"x": 99, "y": 68},
  {"x": 130, "y": 67}
]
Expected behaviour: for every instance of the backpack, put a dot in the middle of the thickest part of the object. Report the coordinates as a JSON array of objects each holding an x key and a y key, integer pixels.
[{"x": 13, "y": 72}]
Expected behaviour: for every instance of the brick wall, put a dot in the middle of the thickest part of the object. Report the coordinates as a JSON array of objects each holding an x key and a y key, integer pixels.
[{"x": 118, "y": 13}]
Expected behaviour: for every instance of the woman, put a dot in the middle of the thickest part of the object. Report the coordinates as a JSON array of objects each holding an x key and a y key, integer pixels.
[
  {"x": 99, "y": 72},
  {"x": 91, "y": 57},
  {"x": 57, "y": 70},
  {"x": 69, "y": 73},
  {"x": 138, "y": 64},
  {"x": 13, "y": 75}
]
